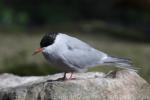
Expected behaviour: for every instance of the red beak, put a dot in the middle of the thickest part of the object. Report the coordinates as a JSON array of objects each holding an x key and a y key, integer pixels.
[{"x": 38, "y": 51}]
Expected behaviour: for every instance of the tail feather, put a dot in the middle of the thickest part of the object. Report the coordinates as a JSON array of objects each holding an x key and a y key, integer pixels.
[{"x": 120, "y": 62}]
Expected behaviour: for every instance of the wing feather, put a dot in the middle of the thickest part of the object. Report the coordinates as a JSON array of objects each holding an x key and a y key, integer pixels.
[{"x": 80, "y": 54}]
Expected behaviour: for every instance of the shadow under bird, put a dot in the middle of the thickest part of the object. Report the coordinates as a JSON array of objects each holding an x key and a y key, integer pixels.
[{"x": 70, "y": 54}]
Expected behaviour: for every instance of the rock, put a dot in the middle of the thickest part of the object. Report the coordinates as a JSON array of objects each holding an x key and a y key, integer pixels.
[{"x": 124, "y": 85}]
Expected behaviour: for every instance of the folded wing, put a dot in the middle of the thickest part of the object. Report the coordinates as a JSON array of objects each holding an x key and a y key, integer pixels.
[{"x": 81, "y": 55}]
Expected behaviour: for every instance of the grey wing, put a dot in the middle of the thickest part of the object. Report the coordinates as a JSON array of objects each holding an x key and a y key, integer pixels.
[{"x": 80, "y": 55}]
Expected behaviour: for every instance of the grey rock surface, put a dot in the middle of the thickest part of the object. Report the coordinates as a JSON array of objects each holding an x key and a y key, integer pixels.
[{"x": 124, "y": 85}]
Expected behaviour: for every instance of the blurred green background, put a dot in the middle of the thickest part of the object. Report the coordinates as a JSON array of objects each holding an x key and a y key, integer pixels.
[{"x": 118, "y": 27}]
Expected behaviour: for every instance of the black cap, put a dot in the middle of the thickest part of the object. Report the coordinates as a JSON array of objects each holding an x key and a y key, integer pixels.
[{"x": 48, "y": 39}]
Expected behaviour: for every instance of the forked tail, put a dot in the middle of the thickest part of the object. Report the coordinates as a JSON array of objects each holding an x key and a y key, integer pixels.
[{"x": 120, "y": 62}]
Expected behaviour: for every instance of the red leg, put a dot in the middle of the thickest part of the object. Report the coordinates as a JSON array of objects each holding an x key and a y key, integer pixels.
[
  {"x": 65, "y": 78},
  {"x": 70, "y": 78}
]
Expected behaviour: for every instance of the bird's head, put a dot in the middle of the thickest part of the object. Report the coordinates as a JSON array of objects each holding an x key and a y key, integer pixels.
[{"x": 47, "y": 40}]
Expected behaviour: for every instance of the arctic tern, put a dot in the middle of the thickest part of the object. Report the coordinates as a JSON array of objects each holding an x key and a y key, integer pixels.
[{"x": 70, "y": 54}]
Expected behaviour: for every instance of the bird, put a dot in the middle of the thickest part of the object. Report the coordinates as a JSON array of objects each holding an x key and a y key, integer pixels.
[{"x": 70, "y": 54}]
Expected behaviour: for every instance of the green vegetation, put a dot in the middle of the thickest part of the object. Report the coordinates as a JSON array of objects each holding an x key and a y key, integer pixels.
[{"x": 125, "y": 18}]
